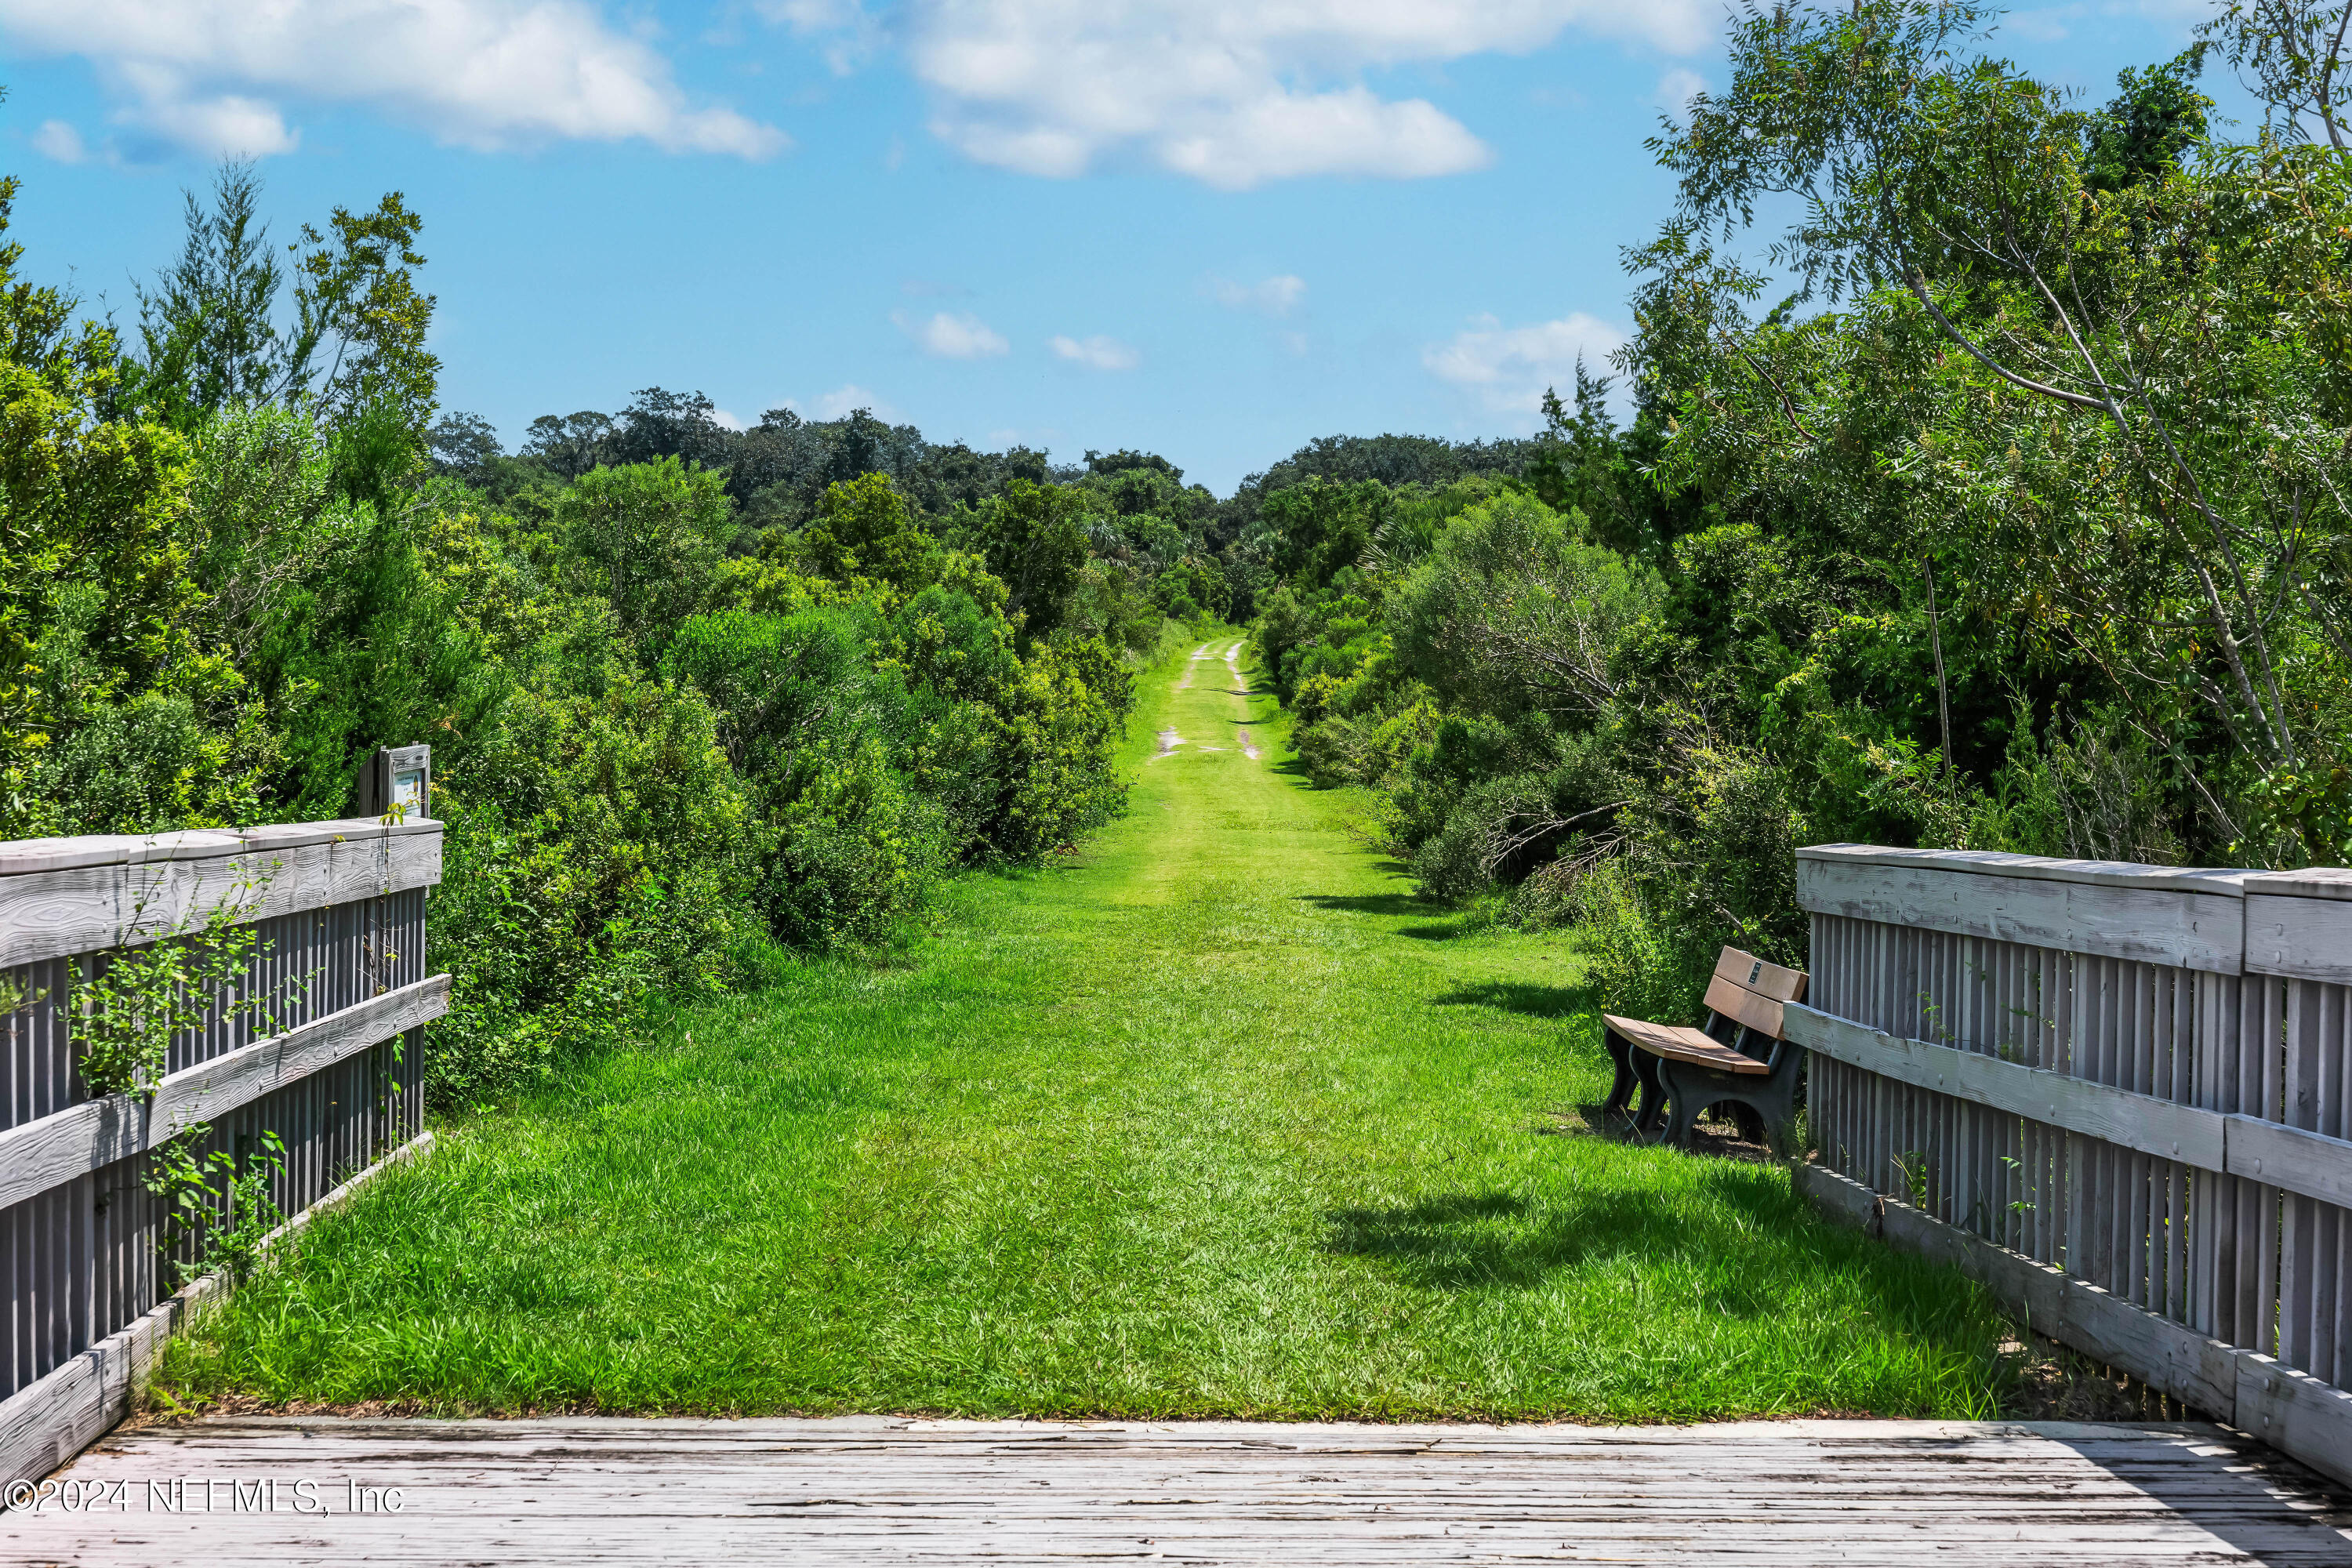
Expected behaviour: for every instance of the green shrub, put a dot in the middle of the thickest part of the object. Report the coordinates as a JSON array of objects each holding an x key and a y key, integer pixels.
[
  {"x": 856, "y": 849},
  {"x": 597, "y": 848}
]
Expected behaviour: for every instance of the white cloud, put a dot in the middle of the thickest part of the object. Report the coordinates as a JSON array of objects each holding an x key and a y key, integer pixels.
[
  {"x": 230, "y": 124},
  {"x": 61, "y": 141},
  {"x": 214, "y": 74},
  {"x": 1096, "y": 353},
  {"x": 946, "y": 336},
  {"x": 845, "y": 400},
  {"x": 1230, "y": 92},
  {"x": 858, "y": 35},
  {"x": 1509, "y": 367},
  {"x": 1676, "y": 89},
  {"x": 1275, "y": 296},
  {"x": 1283, "y": 135}
]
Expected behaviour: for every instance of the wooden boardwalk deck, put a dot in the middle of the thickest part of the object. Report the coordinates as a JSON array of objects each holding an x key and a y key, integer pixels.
[{"x": 874, "y": 1490}]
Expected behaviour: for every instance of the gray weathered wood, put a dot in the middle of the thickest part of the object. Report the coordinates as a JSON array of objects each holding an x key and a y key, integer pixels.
[
  {"x": 2294, "y": 930},
  {"x": 2173, "y": 1128},
  {"x": 24, "y": 855},
  {"x": 60, "y": 911},
  {"x": 2311, "y": 882},
  {"x": 2203, "y": 930},
  {"x": 2198, "y": 1370},
  {"x": 2310, "y": 1164},
  {"x": 46, "y": 1424},
  {"x": 2223, "y": 881},
  {"x": 2115, "y": 1116},
  {"x": 2202, "y": 1372},
  {"x": 893, "y": 1490},
  {"x": 2296, "y": 1413},
  {"x": 38, "y": 1155},
  {"x": 340, "y": 953}
]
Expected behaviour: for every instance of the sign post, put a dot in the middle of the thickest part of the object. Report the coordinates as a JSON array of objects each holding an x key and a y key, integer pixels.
[{"x": 397, "y": 781}]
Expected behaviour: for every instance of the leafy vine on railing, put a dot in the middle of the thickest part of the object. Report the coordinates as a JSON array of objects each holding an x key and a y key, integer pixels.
[
  {"x": 15, "y": 995},
  {"x": 130, "y": 1004},
  {"x": 217, "y": 1209}
]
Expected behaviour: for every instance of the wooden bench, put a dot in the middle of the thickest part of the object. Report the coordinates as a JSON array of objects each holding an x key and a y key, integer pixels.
[{"x": 1736, "y": 1058}]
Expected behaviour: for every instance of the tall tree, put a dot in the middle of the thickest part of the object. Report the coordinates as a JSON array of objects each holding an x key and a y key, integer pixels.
[
  {"x": 215, "y": 334},
  {"x": 2132, "y": 400},
  {"x": 206, "y": 328}
]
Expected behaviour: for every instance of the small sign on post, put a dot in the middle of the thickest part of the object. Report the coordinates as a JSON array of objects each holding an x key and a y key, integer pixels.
[{"x": 397, "y": 781}]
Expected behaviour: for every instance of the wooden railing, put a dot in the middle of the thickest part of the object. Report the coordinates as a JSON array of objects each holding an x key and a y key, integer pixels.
[
  {"x": 314, "y": 1034},
  {"x": 2119, "y": 1096}
]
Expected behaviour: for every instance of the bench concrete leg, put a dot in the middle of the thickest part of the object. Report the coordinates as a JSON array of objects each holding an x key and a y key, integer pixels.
[
  {"x": 1655, "y": 1095},
  {"x": 1621, "y": 1056},
  {"x": 1771, "y": 1100},
  {"x": 1683, "y": 1114}
]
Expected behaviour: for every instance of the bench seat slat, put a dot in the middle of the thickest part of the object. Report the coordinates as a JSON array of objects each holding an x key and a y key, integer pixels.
[{"x": 1682, "y": 1044}]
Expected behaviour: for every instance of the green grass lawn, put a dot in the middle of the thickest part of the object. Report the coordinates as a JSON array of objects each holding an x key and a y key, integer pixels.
[{"x": 1210, "y": 1118}]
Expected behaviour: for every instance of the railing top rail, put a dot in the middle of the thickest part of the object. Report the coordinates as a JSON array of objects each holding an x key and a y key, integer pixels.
[
  {"x": 2312, "y": 882},
  {"x": 25, "y": 857},
  {"x": 2296, "y": 924},
  {"x": 2225, "y": 881},
  {"x": 60, "y": 897}
]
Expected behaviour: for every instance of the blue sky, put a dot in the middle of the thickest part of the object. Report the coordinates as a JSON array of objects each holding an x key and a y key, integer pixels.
[{"x": 1211, "y": 228}]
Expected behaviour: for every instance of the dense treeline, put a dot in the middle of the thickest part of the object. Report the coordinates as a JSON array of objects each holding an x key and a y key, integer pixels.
[{"x": 2017, "y": 522}]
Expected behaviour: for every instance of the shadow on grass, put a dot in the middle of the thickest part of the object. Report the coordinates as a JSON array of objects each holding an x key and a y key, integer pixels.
[
  {"x": 1367, "y": 903},
  {"x": 1746, "y": 1247},
  {"x": 1463, "y": 1241},
  {"x": 1519, "y": 997},
  {"x": 1717, "y": 1135}
]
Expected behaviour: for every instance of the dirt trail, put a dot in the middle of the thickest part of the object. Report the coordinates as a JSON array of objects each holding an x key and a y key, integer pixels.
[
  {"x": 1209, "y": 706},
  {"x": 1241, "y": 689}
]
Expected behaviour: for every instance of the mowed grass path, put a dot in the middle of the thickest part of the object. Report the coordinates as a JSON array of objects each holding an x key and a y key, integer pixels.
[{"x": 1211, "y": 1118}]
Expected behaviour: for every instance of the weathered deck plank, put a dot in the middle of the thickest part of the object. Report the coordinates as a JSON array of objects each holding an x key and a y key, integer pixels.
[{"x": 868, "y": 1489}]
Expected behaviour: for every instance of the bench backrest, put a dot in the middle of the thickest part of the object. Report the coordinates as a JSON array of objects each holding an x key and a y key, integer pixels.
[{"x": 1748, "y": 993}]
